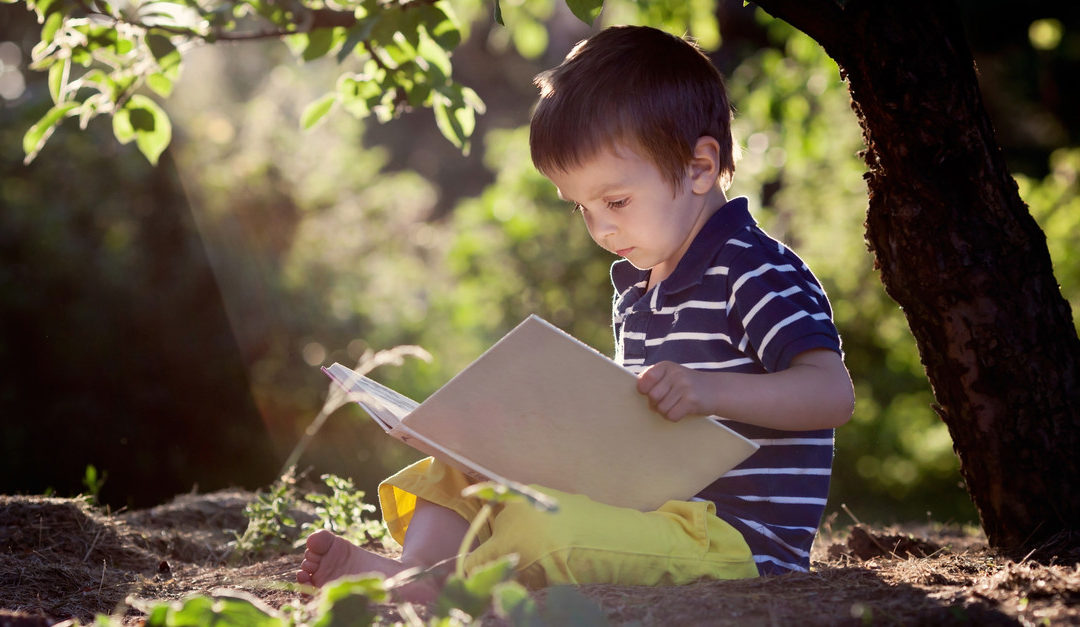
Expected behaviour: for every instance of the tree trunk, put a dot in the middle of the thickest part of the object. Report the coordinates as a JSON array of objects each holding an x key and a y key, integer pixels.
[{"x": 960, "y": 253}]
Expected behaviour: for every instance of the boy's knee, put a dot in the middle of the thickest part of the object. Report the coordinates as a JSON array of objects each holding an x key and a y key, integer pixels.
[
  {"x": 537, "y": 532},
  {"x": 529, "y": 533}
]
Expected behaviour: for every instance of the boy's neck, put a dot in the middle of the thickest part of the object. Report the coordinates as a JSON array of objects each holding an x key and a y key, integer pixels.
[{"x": 714, "y": 199}]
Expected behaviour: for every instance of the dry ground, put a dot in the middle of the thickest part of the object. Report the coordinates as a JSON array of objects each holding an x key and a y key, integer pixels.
[{"x": 62, "y": 559}]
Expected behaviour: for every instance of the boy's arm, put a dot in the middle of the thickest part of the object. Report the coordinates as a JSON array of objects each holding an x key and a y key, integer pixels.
[{"x": 814, "y": 392}]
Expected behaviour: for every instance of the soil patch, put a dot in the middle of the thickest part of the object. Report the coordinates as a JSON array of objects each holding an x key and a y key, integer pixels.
[{"x": 63, "y": 559}]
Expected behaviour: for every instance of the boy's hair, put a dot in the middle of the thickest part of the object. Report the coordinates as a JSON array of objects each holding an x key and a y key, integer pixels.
[{"x": 636, "y": 86}]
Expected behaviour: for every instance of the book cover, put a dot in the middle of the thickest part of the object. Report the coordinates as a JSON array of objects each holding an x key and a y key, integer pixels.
[{"x": 541, "y": 407}]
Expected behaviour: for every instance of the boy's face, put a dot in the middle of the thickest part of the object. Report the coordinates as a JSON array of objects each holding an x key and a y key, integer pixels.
[{"x": 631, "y": 210}]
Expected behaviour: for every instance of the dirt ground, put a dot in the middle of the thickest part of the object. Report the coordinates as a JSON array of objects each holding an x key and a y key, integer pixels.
[{"x": 62, "y": 559}]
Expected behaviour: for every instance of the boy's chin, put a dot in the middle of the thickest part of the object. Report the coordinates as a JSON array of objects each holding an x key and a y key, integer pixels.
[{"x": 638, "y": 264}]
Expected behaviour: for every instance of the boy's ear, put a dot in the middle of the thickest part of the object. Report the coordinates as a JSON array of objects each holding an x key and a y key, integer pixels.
[{"x": 705, "y": 164}]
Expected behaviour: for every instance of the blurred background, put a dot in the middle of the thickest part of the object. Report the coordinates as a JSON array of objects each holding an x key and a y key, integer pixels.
[{"x": 166, "y": 325}]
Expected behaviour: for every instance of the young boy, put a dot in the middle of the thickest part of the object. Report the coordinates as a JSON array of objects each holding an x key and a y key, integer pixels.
[{"x": 713, "y": 315}]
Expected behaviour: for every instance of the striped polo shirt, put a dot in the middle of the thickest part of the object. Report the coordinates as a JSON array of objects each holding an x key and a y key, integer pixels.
[{"x": 739, "y": 301}]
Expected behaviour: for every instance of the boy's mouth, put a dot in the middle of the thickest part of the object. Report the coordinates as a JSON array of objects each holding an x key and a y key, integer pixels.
[{"x": 622, "y": 252}]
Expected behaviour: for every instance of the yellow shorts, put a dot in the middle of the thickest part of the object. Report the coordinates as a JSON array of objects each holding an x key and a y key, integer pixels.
[{"x": 584, "y": 541}]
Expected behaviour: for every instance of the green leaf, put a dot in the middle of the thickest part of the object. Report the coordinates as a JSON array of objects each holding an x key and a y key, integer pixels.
[
  {"x": 317, "y": 110},
  {"x": 356, "y": 35},
  {"x": 496, "y": 492},
  {"x": 319, "y": 42},
  {"x": 348, "y": 601},
  {"x": 586, "y": 10},
  {"x": 441, "y": 25},
  {"x": 512, "y": 601},
  {"x": 160, "y": 83},
  {"x": 147, "y": 123},
  {"x": 124, "y": 45},
  {"x": 472, "y": 595},
  {"x": 436, "y": 56},
  {"x": 242, "y": 610},
  {"x": 455, "y": 114},
  {"x": 123, "y": 130},
  {"x": 82, "y": 57},
  {"x": 35, "y": 137},
  {"x": 408, "y": 26},
  {"x": 167, "y": 56},
  {"x": 58, "y": 77},
  {"x": 51, "y": 26},
  {"x": 193, "y": 611},
  {"x": 226, "y": 608},
  {"x": 157, "y": 615},
  {"x": 357, "y": 93},
  {"x": 46, "y": 7}
]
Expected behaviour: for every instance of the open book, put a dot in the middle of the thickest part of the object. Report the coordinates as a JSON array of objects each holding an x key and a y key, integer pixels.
[{"x": 542, "y": 407}]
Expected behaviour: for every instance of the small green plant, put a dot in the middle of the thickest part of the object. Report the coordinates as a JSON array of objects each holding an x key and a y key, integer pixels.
[
  {"x": 343, "y": 511},
  {"x": 271, "y": 525},
  {"x": 93, "y": 482}
]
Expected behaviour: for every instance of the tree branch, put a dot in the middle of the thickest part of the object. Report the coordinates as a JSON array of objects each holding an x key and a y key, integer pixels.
[{"x": 314, "y": 19}]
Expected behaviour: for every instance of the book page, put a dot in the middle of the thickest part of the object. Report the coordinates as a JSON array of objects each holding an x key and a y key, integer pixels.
[
  {"x": 383, "y": 404},
  {"x": 388, "y": 408},
  {"x": 542, "y": 407}
]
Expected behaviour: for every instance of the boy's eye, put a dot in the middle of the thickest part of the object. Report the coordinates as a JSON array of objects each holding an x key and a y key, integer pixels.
[{"x": 618, "y": 204}]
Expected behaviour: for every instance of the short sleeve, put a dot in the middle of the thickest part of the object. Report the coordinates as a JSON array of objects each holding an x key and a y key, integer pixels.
[{"x": 779, "y": 305}]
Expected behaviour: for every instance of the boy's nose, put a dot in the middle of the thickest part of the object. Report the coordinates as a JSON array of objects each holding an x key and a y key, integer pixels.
[{"x": 604, "y": 227}]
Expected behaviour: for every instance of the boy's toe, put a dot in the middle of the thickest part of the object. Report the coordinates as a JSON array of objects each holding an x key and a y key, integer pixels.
[{"x": 319, "y": 542}]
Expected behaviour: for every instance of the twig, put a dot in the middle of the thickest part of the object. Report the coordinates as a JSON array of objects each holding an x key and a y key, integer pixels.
[
  {"x": 93, "y": 543},
  {"x": 844, "y": 507}
]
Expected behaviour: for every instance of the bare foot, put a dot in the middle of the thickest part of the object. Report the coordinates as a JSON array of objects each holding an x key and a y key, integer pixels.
[{"x": 329, "y": 557}]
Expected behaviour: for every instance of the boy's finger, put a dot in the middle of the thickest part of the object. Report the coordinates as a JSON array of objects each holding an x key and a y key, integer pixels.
[
  {"x": 658, "y": 392},
  {"x": 676, "y": 413},
  {"x": 648, "y": 378}
]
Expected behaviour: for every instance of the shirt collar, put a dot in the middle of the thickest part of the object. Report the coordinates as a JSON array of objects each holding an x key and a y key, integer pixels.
[{"x": 733, "y": 217}]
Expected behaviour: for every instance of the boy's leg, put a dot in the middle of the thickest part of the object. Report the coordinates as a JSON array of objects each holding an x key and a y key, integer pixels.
[
  {"x": 433, "y": 537},
  {"x": 587, "y": 542}
]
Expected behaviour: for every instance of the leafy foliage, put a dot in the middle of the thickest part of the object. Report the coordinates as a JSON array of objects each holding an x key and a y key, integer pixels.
[
  {"x": 103, "y": 57},
  {"x": 463, "y": 600},
  {"x": 271, "y": 523},
  {"x": 343, "y": 511}
]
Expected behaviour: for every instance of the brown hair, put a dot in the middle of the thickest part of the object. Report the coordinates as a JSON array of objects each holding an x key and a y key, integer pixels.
[{"x": 634, "y": 85}]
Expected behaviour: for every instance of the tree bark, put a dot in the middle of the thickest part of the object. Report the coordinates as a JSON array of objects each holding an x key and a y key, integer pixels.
[{"x": 958, "y": 250}]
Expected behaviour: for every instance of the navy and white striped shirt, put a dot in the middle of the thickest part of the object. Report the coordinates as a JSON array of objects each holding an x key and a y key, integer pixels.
[{"x": 739, "y": 301}]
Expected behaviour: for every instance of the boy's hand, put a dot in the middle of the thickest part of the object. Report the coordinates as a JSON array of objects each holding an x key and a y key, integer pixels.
[{"x": 674, "y": 391}]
